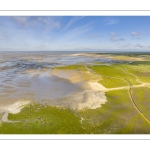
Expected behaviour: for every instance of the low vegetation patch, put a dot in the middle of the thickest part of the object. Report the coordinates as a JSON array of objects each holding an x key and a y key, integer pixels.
[
  {"x": 113, "y": 71},
  {"x": 110, "y": 82},
  {"x": 39, "y": 119},
  {"x": 117, "y": 115},
  {"x": 72, "y": 67},
  {"x": 139, "y": 69},
  {"x": 141, "y": 97}
]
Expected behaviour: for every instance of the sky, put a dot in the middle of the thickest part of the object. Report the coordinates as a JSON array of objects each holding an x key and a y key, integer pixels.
[{"x": 74, "y": 33}]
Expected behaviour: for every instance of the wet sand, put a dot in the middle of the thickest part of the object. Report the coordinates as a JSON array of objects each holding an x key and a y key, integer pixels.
[
  {"x": 67, "y": 88},
  {"x": 26, "y": 79},
  {"x": 91, "y": 94}
]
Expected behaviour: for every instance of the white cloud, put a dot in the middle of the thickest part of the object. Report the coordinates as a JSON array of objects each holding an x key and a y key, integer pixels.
[
  {"x": 48, "y": 21},
  {"x": 136, "y": 38},
  {"x": 111, "y": 21},
  {"x": 117, "y": 39},
  {"x": 135, "y": 33},
  {"x": 35, "y": 21},
  {"x": 43, "y": 20},
  {"x": 113, "y": 34},
  {"x": 72, "y": 21},
  {"x": 114, "y": 37},
  {"x": 56, "y": 24},
  {"x": 114, "y": 47},
  {"x": 138, "y": 46},
  {"x": 21, "y": 20},
  {"x": 77, "y": 31}
]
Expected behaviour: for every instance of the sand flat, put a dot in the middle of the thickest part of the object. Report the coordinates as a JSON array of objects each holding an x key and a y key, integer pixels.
[{"x": 33, "y": 77}]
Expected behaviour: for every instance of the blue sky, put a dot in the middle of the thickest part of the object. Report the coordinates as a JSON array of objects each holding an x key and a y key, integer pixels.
[{"x": 42, "y": 33}]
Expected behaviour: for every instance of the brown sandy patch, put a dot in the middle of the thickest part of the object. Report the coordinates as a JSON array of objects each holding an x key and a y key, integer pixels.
[
  {"x": 92, "y": 94},
  {"x": 14, "y": 105}
]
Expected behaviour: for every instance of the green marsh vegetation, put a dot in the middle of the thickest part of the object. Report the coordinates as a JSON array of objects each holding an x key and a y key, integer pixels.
[
  {"x": 40, "y": 119},
  {"x": 111, "y": 82},
  {"x": 141, "y": 97},
  {"x": 141, "y": 69},
  {"x": 72, "y": 67},
  {"x": 116, "y": 116},
  {"x": 114, "y": 71}
]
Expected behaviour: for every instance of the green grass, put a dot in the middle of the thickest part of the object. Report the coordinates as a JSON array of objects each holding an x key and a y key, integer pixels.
[
  {"x": 38, "y": 119},
  {"x": 117, "y": 115},
  {"x": 136, "y": 63},
  {"x": 144, "y": 76},
  {"x": 140, "y": 69},
  {"x": 72, "y": 67},
  {"x": 109, "y": 82},
  {"x": 113, "y": 71},
  {"x": 141, "y": 97}
]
